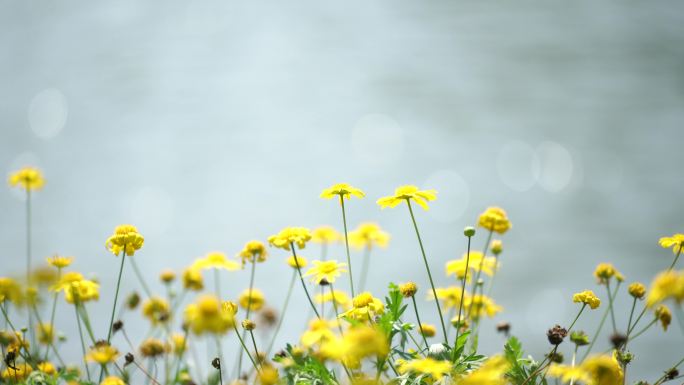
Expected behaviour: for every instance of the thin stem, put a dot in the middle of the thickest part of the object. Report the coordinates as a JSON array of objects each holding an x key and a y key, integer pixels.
[
  {"x": 219, "y": 351},
  {"x": 584, "y": 305},
  {"x": 256, "y": 351},
  {"x": 491, "y": 281},
  {"x": 83, "y": 349},
  {"x": 282, "y": 312},
  {"x": 420, "y": 325},
  {"x": 52, "y": 313},
  {"x": 644, "y": 329},
  {"x": 675, "y": 259},
  {"x": 138, "y": 274},
  {"x": 664, "y": 376},
  {"x": 7, "y": 319},
  {"x": 116, "y": 295},
  {"x": 28, "y": 255},
  {"x": 610, "y": 306},
  {"x": 249, "y": 305},
  {"x": 146, "y": 373},
  {"x": 346, "y": 244},
  {"x": 50, "y": 343},
  {"x": 629, "y": 323},
  {"x": 598, "y": 329},
  {"x": 181, "y": 353},
  {"x": 242, "y": 342},
  {"x": 334, "y": 303},
  {"x": 217, "y": 283},
  {"x": 365, "y": 268},
  {"x": 479, "y": 269},
  {"x": 427, "y": 267},
  {"x": 574, "y": 357},
  {"x": 460, "y": 304},
  {"x": 301, "y": 278}
]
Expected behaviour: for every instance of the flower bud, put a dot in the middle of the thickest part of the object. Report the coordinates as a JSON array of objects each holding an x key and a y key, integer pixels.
[{"x": 469, "y": 231}]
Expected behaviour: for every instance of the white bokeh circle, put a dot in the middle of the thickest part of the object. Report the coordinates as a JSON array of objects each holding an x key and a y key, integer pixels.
[
  {"x": 453, "y": 193},
  {"x": 556, "y": 166},
  {"x": 47, "y": 113},
  {"x": 518, "y": 165},
  {"x": 377, "y": 140},
  {"x": 152, "y": 209}
]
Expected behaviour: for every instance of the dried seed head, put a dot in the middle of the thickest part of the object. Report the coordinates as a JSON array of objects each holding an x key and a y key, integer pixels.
[
  {"x": 129, "y": 358},
  {"x": 618, "y": 339},
  {"x": 118, "y": 325},
  {"x": 503, "y": 327},
  {"x": 556, "y": 335},
  {"x": 216, "y": 363}
]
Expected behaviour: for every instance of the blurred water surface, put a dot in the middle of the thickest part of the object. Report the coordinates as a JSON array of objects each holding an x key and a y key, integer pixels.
[{"x": 210, "y": 123}]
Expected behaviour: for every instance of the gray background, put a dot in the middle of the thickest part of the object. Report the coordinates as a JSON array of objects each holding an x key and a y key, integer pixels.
[{"x": 211, "y": 123}]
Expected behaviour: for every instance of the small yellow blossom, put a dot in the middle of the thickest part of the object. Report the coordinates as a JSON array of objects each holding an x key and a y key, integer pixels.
[
  {"x": 46, "y": 333},
  {"x": 490, "y": 373},
  {"x": 328, "y": 270},
  {"x": 480, "y": 305},
  {"x": 676, "y": 242},
  {"x": 408, "y": 193},
  {"x": 357, "y": 343},
  {"x": 605, "y": 271},
  {"x": 215, "y": 260},
  {"x": 192, "y": 279},
  {"x": 253, "y": 302},
  {"x": 326, "y": 235},
  {"x": 475, "y": 262},
  {"x": 126, "y": 238},
  {"x": 427, "y": 330},
  {"x": 368, "y": 235},
  {"x": 268, "y": 375},
  {"x": 666, "y": 285},
  {"x": 365, "y": 307},
  {"x": 77, "y": 288},
  {"x": 497, "y": 247},
  {"x": 408, "y": 290},
  {"x": 342, "y": 190},
  {"x": 248, "y": 324},
  {"x": 253, "y": 251},
  {"x": 664, "y": 315},
  {"x": 152, "y": 347},
  {"x": 178, "y": 343},
  {"x": 47, "y": 368},
  {"x": 429, "y": 366},
  {"x": 112, "y": 380},
  {"x": 10, "y": 290},
  {"x": 28, "y": 178},
  {"x": 167, "y": 276},
  {"x": 208, "y": 315},
  {"x": 319, "y": 331},
  {"x": 290, "y": 235},
  {"x": 494, "y": 219},
  {"x": 341, "y": 298},
  {"x": 587, "y": 297},
  {"x": 103, "y": 354},
  {"x": 59, "y": 261},
  {"x": 450, "y": 297},
  {"x": 637, "y": 290},
  {"x": 297, "y": 262},
  {"x": 20, "y": 372},
  {"x": 156, "y": 310},
  {"x": 44, "y": 275}
]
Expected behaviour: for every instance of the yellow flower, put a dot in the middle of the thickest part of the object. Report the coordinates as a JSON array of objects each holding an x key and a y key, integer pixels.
[
  {"x": 253, "y": 302},
  {"x": 192, "y": 279},
  {"x": 457, "y": 267},
  {"x": 428, "y": 330},
  {"x": 587, "y": 297},
  {"x": 494, "y": 219},
  {"x": 179, "y": 343},
  {"x": 253, "y": 250},
  {"x": 319, "y": 331},
  {"x": 112, "y": 380},
  {"x": 490, "y": 373},
  {"x": 328, "y": 270},
  {"x": 290, "y": 235},
  {"x": 450, "y": 297},
  {"x": 45, "y": 333},
  {"x": 429, "y": 366},
  {"x": 44, "y": 275},
  {"x": 666, "y": 285},
  {"x": 605, "y": 271},
  {"x": 326, "y": 234},
  {"x": 408, "y": 290},
  {"x": 497, "y": 247},
  {"x": 20, "y": 372},
  {"x": 167, "y": 276},
  {"x": 294, "y": 262},
  {"x": 28, "y": 178},
  {"x": 358, "y": 343},
  {"x": 342, "y": 190},
  {"x": 152, "y": 347},
  {"x": 248, "y": 324},
  {"x": 637, "y": 290},
  {"x": 569, "y": 373},
  {"x": 77, "y": 288},
  {"x": 60, "y": 262},
  {"x": 664, "y": 315},
  {"x": 156, "y": 310},
  {"x": 365, "y": 307},
  {"x": 208, "y": 315},
  {"x": 367, "y": 235},
  {"x": 341, "y": 298},
  {"x": 126, "y": 238},
  {"x": 10, "y": 290},
  {"x": 102, "y": 353},
  {"x": 215, "y": 260},
  {"x": 47, "y": 368},
  {"x": 676, "y": 242},
  {"x": 603, "y": 370},
  {"x": 268, "y": 375},
  {"x": 481, "y": 305},
  {"x": 408, "y": 193}
]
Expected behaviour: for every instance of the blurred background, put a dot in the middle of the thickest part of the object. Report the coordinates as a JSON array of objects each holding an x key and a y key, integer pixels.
[{"x": 208, "y": 124}]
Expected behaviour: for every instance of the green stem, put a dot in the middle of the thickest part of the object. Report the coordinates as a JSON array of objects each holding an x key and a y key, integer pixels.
[
  {"x": 7, "y": 319},
  {"x": 479, "y": 269},
  {"x": 334, "y": 303},
  {"x": 242, "y": 342},
  {"x": 598, "y": 330},
  {"x": 282, "y": 312},
  {"x": 664, "y": 376},
  {"x": 610, "y": 307},
  {"x": 420, "y": 325},
  {"x": 629, "y": 323},
  {"x": 427, "y": 267},
  {"x": 644, "y": 329},
  {"x": 249, "y": 306},
  {"x": 180, "y": 355},
  {"x": 50, "y": 343},
  {"x": 256, "y": 351},
  {"x": 116, "y": 295},
  {"x": 675, "y": 259},
  {"x": 28, "y": 256},
  {"x": 577, "y": 317},
  {"x": 460, "y": 304},
  {"x": 83, "y": 349},
  {"x": 346, "y": 244},
  {"x": 52, "y": 314},
  {"x": 301, "y": 278},
  {"x": 140, "y": 277},
  {"x": 491, "y": 281},
  {"x": 364, "y": 268}
]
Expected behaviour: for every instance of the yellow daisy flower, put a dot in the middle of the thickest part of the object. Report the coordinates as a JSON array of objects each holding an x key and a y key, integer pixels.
[
  {"x": 28, "y": 178},
  {"x": 126, "y": 238},
  {"x": 457, "y": 267},
  {"x": 254, "y": 302},
  {"x": 342, "y": 190},
  {"x": 209, "y": 315},
  {"x": 368, "y": 235},
  {"x": 408, "y": 193},
  {"x": 326, "y": 234},
  {"x": 215, "y": 260},
  {"x": 666, "y": 285},
  {"x": 290, "y": 235},
  {"x": 297, "y": 262},
  {"x": 494, "y": 219},
  {"x": 102, "y": 353},
  {"x": 60, "y": 262},
  {"x": 492, "y": 372},
  {"x": 192, "y": 279},
  {"x": 587, "y": 297},
  {"x": 676, "y": 242},
  {"x": 253, "y": 251},
  {"x": 328, "y": 270},
  {"x": 429, "y": 366},
  {"x": 112, "y": 380}
]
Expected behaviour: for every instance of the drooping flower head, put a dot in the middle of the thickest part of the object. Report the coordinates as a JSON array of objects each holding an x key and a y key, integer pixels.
[
  {"x": 368, "y": 235},
  {"x": 28, "y": 178},
  {"x": 126, "y": 238},
  {"x": 666, "y": 285},
  {"x": 406, "y": 194},
  {"x": 192, "y": 279},
  {"x": 436, "y": 369},
  {"x": 605, "y": 271},
  {"x": 209, "y": 315},
  {"x": 326, "y": 235},
  {"x": 290, "y": 235},
  {"x": 342, "y": 190},
  {"x": 59, "y": 261},
  {"x": 587, "y": 297},
  {"x": 253, "y": 300},
  {"x": 254, "y": 251},
  {"x": 328, "y": 270},
  {"x": 474, "y": 262},
  {"x": 215, "y": 260},
  {"x": 663, "y": 315},
  {"x": 676, "y": 242},
  {"x": 494, "y": 219},
  {"x": 157, "y": 310},
  {"x": 298, "y": 262}
]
